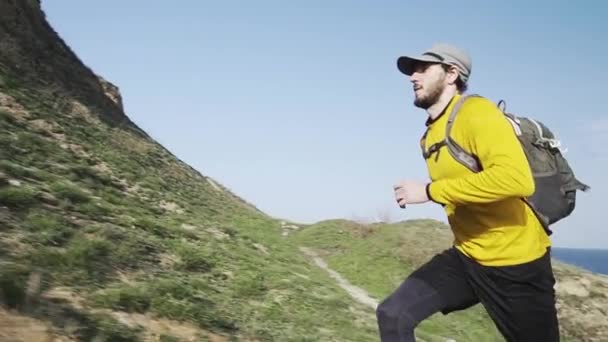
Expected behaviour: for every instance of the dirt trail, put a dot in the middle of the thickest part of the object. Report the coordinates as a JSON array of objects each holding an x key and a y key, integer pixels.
[{"x": 357, "y": 293}]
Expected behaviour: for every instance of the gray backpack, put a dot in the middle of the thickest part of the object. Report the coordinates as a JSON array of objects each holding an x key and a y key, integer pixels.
[{"x": 556, "y": 184}]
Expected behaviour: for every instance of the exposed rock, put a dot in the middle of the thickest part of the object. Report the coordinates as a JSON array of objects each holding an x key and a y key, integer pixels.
[
  {"x": 188, "y": 227},
  {"x": 10, "y": 105},
  {"x": 218, "y": 234},
  {"x": 261, "y": 248},
  {"x": 171, "y": 207},
  {"x": 111, "y": 91}
]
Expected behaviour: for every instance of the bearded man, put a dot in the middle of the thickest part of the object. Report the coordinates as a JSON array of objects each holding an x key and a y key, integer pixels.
[{"x": 500, "y": 255}]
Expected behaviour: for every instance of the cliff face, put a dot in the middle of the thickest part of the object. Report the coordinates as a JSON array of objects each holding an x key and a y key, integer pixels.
[
  {"x": 32, "y": 52},
  {"x": 112, "y": 92}
]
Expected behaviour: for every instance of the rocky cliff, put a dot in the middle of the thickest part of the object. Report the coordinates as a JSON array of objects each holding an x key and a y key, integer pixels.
[{"x": 33, "y": 52}]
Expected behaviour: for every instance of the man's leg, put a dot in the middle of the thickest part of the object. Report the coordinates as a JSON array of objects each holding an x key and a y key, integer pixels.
[
  {"x": 439, "y": 285},
  {"x": 520, "y": 299}
]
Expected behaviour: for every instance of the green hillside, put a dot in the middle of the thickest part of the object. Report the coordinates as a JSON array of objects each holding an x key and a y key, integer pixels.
[
  {"x": 378, "y": 257},
  {"x": 106, "y": 236},
  {"x": 119, "y": 223},
  {"x": 101, "y": 227}
]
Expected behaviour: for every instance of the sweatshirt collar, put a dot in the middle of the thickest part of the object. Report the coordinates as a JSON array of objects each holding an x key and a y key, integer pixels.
[{"x": 430, "y": 121}]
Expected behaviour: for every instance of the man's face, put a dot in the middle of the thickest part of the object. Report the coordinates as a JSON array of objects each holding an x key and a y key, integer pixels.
[{"x": 429, "y": 81}]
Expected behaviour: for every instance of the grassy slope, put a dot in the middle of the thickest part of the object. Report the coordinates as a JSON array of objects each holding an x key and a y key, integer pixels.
[
  {"x": 123, "y": 225},
  {"x": 378, "y": 257}
]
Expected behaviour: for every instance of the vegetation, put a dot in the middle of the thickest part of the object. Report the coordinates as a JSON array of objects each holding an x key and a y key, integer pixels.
[
  {"x": 100, "y": 226},
  {"x": 378, "y": 258},
  {"x": 125, "y": 227}
]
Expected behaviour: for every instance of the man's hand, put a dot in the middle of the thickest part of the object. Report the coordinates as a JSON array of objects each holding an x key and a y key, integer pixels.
[{"x": 410, "y": 192}]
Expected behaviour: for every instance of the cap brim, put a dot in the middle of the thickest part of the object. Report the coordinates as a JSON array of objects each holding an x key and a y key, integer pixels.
[{"x": 406, "y": 63}]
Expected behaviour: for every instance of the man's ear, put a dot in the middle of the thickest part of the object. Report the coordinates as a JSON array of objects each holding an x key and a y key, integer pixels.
[{"x": 452, "y": 74}]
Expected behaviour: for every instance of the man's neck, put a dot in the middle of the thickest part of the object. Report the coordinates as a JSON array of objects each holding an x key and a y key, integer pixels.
[{"x": 440, "y": 105}]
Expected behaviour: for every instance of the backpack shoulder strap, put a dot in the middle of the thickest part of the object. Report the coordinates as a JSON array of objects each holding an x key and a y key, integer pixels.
[{"x": 468, "y": 160}]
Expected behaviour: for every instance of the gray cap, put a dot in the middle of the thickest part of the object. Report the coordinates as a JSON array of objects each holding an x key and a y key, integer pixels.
[{"x": 439, "y": 53}]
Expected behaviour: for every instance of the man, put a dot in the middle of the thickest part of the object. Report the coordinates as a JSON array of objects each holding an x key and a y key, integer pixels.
[{"x": 500, "y": 255}]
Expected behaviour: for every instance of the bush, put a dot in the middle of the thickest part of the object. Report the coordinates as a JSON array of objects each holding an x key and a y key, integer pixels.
[
  {"x": 93, "y": 257},
  {"x": 168, "y": 338},
  {"x": 47, "y": 229},
  {"x": 134, "y": 251},
  {"x": 13, "y": 280},
  {"x": 251, "y": 285},
  {"x": 34, "y": 144},
  {"x": 205, "y": 314},
  {"x": 19, "y": 171},
  {"x": 108, "y": 329},
  {"x": 70, "y": 192},
  {"x": 195, "y": 259},
  {"x": 152, "y": 227},
  {"x": 176, "y": 288},
  {"x": 129, "y": 299},
  {"x": 94, "y": 210},
  {"x": 93, "y": 177},
  {"x": 17, "y": 197},
  {"x": 47, "y": 258},
  {"x": 115, "y": 197},
  {"x": 7, "y": 118}
]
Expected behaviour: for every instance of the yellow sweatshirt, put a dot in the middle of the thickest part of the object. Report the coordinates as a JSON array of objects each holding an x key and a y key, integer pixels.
[{"x": 490, "y": 221}]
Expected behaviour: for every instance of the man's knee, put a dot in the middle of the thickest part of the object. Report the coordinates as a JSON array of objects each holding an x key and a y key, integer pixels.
[
  {"x": 396, "y": 314},
  {"x": 410, "y": 304},
  {"x": 385, "y": 312}
]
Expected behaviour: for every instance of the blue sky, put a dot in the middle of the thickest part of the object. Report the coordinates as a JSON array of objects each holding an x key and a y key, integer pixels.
[{"x": 298, "y": 106}]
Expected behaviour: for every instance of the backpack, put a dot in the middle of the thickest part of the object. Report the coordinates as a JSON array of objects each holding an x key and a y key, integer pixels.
[{"x": 555, "y": 182}]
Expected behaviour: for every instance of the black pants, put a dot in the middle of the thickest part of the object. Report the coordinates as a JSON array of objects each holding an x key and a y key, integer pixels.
[{"x": 520, "y": 299}]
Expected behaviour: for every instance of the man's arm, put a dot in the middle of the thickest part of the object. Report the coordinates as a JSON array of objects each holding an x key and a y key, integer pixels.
[{"x": 506, "y": 172}]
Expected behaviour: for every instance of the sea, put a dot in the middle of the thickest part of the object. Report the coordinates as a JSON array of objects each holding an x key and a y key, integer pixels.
[{"x": 594, "y": 260}]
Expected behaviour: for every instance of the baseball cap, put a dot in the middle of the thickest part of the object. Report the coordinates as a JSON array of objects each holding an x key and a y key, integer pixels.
[{"x": 439, "y": 53}]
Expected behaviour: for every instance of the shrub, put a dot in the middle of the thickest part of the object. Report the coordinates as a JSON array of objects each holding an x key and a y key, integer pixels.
[
  {"x": 93, "y": 257},
  {"x": 34, "y": 144},
  {"x": 115, "y": 197},
  {"x": 168, "y": 338},
  {"x": 251, "y": 285},
  {"x": 93, "y": 177},
  {"x": 94, "y": 210},
  {"x": 47, "y": 229},
  {"x": 70, "y": 192},
  {"x": 135, "y": 251},
  {"x": 108, "y": 329},
  {"x": 205, "y": 315},
  {"x": 7, "y": 118},
  {"x": 13, "y": 279},
  {"x": 19, "y": 171},
  {"x": 195, "y": 259},
  {"x": 129, "y": 299},
  {"x": 17, "y": 197},
  {"x": 152, "y": 227},
  {"x": 48, "y": 258}
]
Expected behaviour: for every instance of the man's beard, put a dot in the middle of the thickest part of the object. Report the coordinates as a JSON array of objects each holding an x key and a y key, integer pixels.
[{"x": 434, "y": 92}]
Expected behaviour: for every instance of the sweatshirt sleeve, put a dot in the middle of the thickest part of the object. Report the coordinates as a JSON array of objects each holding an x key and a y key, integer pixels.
[{"x": 505, "y": 169}]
